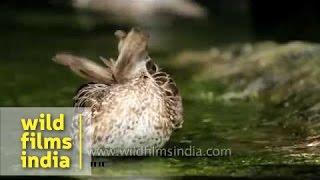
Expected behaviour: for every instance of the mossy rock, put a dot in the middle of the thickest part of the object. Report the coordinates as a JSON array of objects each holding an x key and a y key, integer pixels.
[{"x": 283, "y": 77}]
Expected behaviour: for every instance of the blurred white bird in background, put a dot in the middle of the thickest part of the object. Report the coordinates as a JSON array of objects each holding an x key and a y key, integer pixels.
[
  {"x": 154, "y": 15},
  {"x": 139, "y": 10}
]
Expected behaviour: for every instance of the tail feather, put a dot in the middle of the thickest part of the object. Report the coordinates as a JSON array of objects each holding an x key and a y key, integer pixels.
[{"x": 86, "y": 68}]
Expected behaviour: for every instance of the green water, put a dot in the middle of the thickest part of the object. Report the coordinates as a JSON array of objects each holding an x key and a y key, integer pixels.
[{"x": 29, "y": 78}]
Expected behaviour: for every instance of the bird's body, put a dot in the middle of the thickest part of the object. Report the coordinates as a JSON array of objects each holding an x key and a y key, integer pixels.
[{"x": 134, "y": 106}]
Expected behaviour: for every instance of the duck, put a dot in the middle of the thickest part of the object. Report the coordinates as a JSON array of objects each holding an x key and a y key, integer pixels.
[
  {"x": 142, "y": 10},
  {"x": 130, "y": 103}
]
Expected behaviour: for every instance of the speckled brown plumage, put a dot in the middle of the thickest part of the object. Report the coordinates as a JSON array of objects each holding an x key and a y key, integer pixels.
[{"x": 132, "y": 103}]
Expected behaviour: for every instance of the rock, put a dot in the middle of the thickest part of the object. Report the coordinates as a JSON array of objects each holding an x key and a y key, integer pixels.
[{"x": 283, "y": 76}]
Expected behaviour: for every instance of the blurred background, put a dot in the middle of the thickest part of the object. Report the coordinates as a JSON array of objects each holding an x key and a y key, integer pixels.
[
  {"x": 216, "y": 21},
  {"x": 248, "y": 72}
]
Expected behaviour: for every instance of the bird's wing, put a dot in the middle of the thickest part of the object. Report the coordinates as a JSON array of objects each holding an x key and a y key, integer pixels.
[{"x": 173, "y": 98}]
